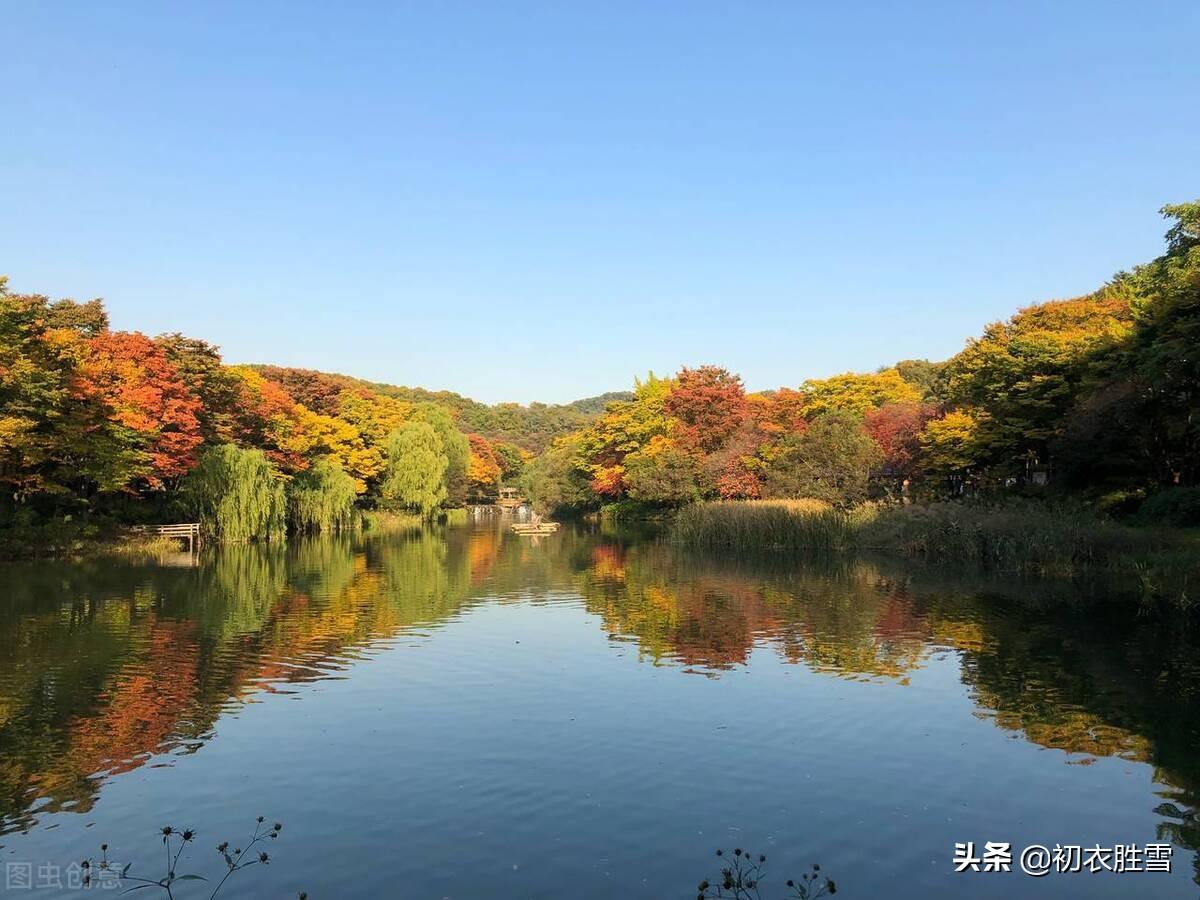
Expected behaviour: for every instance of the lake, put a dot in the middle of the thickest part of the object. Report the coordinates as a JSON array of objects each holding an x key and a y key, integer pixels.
[{"x": 467, "y": 713}]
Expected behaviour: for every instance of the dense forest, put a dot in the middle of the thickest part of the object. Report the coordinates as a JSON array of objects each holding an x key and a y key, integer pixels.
[{"x": 1096, "y": 397}]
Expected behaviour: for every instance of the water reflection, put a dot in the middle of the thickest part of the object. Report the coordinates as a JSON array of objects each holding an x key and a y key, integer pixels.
[{"x": 106, "y": 667}]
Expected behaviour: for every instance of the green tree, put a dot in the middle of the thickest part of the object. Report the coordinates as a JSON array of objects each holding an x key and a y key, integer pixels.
[
  {"x": 668, "y": 475},
  {"x": 832, "y": 460},
  {"x": 455, "y": 447},
  {"x": 321, "y": 499},
  {"x": 1166, "y": 349},
  {"x": 237, "y": 494},
  {"x": 415, "y": 475},
  {"x": 922, "y": 374},
  {"x": 557, "y": 480},
  {"x": 1026, "y": 374},
  {"x": 511, "y": 460}
]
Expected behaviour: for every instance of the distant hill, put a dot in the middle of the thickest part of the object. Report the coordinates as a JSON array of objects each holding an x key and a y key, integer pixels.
[{"x": 531, "y": 427}]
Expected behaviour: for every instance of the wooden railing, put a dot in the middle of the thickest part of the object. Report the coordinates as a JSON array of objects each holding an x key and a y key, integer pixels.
[{"x": 189, "y": 531}]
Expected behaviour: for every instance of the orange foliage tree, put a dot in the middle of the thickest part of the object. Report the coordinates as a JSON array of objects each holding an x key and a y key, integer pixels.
[
  {"x": 147, "y": 416},
  {"x": 483, "y": 469}
]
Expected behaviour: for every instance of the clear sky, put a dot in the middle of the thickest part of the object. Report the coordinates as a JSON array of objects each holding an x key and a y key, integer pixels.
[{"x": 541, "y": 201}]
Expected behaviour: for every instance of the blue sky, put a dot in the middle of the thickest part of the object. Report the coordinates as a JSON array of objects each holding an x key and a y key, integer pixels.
[{"x": 541, "y": 201}]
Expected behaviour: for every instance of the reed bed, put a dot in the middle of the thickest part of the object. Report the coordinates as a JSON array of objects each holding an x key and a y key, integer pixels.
[
  {"x": 801, "y": 526},
  {"x": 1026, "y": 538}
]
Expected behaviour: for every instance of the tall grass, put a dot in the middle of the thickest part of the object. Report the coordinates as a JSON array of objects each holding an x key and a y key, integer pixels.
[
  {"x": 804, "y": 526},
  {"x": 1026, "y": 538},
  {"x": 383, "y": 521}
]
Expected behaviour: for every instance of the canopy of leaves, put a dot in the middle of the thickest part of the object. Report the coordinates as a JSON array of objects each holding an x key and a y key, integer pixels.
[
  {"x": 417, "y": 465},
  {"x": 146, "y": 416},
  {"x": 483, "y": 469},
  {"x": 238, "y": 495},
  {"x": 662, "y": 473},
  {"x": 857, "y": 392},
  {"x": 707, "y": 405},
  {"x": 321, "y": 499},
  {"x": 455, "y": 446},
  {"x": 832, "y": 460},
  {"x": 1028, "y": 372},
  {"x": 557, "y": 480}
]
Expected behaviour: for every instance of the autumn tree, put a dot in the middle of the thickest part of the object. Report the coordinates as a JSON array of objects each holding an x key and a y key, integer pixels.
[
  {"x": 146, "y": 428},
  {"x": 707, "y": 404},
  {"x": 625, "y": 428},
  {"x": 1027, "y": 373},
  {"x": 318, "y": 391},
  {"x": 896, "y": 429},
  {"x": 857, "y": 392},
  {"x": 374, "y": 415},
  {"x": 483, "y": 469},
  {"x": 42, "y": 439},
  {"x": 215, "y": 385},
  {"x": 952, "y": 446}
]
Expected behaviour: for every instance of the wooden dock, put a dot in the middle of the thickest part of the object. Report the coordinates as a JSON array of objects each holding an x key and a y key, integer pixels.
[{"x": 184, "y": 531}]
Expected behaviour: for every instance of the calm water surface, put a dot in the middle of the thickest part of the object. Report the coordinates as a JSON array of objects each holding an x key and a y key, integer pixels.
[{"x": 465, "y": 713}]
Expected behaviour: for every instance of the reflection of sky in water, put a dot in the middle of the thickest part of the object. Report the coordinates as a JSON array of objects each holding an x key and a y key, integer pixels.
[{"x": 468, "y": 715}]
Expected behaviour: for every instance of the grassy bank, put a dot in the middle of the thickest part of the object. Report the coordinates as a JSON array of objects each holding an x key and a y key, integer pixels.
[
  {"x": 382, "y": 521},
  {"x": 1025, "y": 538},
  {"x": 66, "y": 541}
]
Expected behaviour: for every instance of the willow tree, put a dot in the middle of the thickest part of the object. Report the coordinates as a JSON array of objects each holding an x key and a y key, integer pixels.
[
  {"x": 321, "y": 499},
  {"x": 415, "y": 476},
  {"x": 238, "y": 495},
  {"x": 455, "y": 446}
]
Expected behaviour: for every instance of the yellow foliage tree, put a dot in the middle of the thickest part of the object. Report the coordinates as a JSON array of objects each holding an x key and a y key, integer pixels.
[
  {"x": 952, "y": 445},
  {"x": 857, "y": 392}
]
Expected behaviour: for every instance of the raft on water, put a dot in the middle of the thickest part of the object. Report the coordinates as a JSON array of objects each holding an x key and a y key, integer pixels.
[{"x": 535, "y": 527}]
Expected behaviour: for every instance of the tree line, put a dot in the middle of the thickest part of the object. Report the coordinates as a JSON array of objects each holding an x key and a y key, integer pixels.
[
  {"x": 103, "y": 425},
  {"x": 1095, "y": 395},
  {"x": 1098, "y": 396}
]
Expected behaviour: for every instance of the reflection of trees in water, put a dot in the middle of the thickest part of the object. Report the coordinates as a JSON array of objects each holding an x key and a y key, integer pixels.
[
  {"x": 839, "y": 618},
  {"x": 110, "y": 665},
  {"x": 106, "y": 665},
  {"x": 1100, "y": 684},
  {"x": 1090, "y": 680}
]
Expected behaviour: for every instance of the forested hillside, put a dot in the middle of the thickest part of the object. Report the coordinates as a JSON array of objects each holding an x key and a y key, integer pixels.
[
  {"x": 531, "y": 427},
  {"x": 1097, "y": 396}
]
